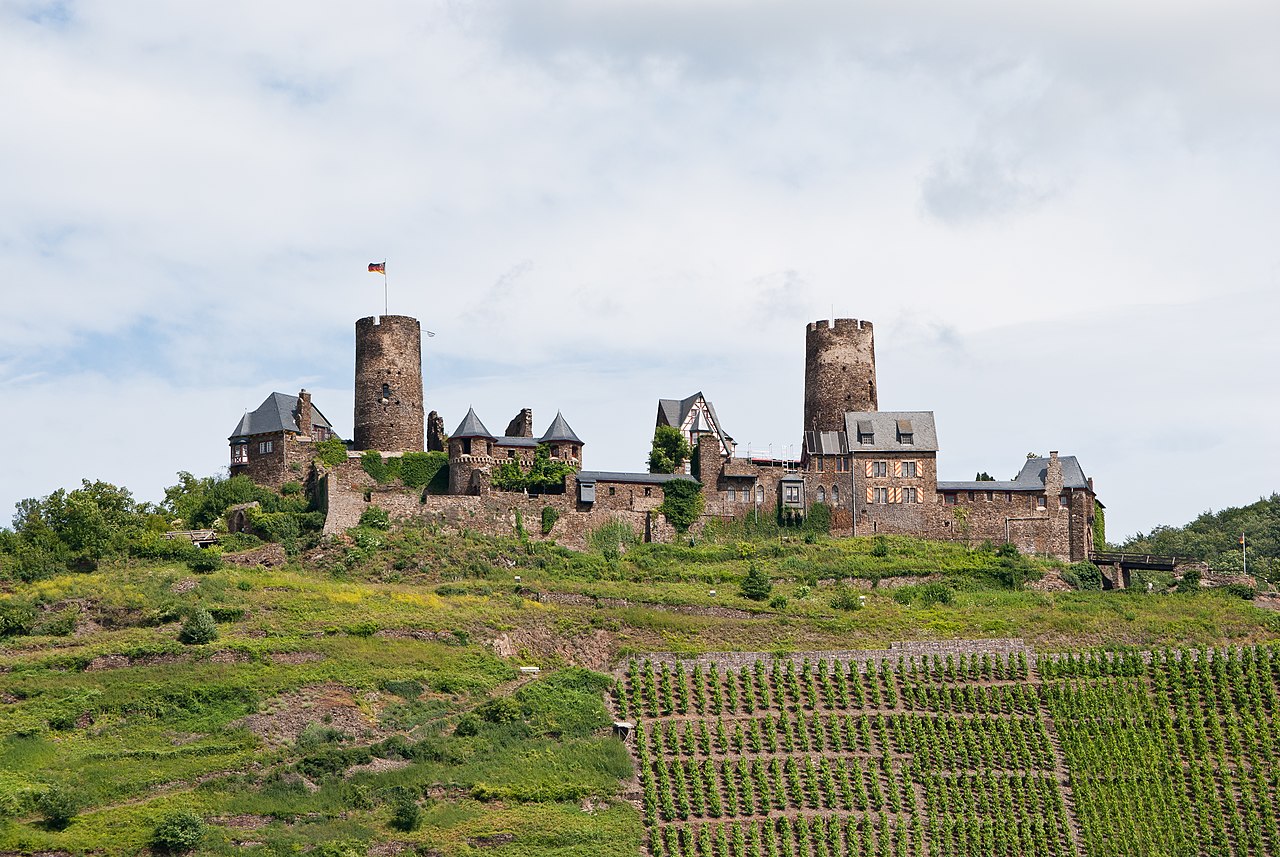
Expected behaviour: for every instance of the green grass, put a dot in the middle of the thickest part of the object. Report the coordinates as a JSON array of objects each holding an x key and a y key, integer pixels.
[{"x": 166, "y": 731}]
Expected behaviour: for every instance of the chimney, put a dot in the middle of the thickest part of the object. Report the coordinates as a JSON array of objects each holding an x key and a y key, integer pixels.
[
  {"x": 304, "y": 413},
  {"x": 1053, "y": 476}
]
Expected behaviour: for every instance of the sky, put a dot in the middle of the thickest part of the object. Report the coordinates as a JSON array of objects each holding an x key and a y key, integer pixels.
[{"x": 1061, "y": 219}]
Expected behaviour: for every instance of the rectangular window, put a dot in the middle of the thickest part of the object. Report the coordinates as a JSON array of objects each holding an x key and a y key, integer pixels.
[
  {"x": 265, "y": 446},
  {"x": 733, "y": 496},
  {"x": 1040, "y": 502},
  {"x": 909, "y": 495},
  {"x": 791, "y": 493},
  {"x": 1064, "y": 500},
  {"x": 879, "y": 468},
  {"x": 907, "y": 439},
  {"x": 882, "y": 495},
  {"x": 949, "y": 499},
  {"x": 909, "y": 470},
  {"x": 820, "y": 458}
]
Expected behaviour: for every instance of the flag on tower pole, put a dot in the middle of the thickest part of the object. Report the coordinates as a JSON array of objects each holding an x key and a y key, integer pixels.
[{"x": 381, "y": 268}]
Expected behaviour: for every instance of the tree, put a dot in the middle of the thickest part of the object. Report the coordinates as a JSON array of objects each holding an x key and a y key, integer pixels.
[
  {"x": 670, "y": 450},
  {"x": 756, "y": 585},
  {"x": 984, "y": 476},
  {"x": 199, "y": 628}
]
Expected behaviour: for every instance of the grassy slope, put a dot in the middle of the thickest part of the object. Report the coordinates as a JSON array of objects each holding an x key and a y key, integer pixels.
[{"x": 165, "y": 731}]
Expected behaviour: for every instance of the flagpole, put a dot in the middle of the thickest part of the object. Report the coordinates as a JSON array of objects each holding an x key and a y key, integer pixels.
[{"x": 386, "y": 305}]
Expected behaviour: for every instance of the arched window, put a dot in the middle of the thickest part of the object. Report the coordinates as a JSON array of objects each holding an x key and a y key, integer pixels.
[
  {"x": 822, "y": 494},
  {"x": 759, "y": 495},
  {"x": 835, "y": 495}
]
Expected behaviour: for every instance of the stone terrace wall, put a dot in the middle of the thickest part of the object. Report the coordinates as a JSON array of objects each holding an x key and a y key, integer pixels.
[{"x": 493, "y": 513}]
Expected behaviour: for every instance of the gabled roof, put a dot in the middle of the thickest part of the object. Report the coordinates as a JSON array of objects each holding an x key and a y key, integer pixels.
[
  {"x": 472, "y": 427},
  {"x": 1030, "y": 478},
  {"x": 515, "y": 440},
  {"x": 277, "y": 413},
  {"x": 672, "y": 412},
  {"x": 559, "y": 430},
  {"x": 887, "y": 429}
]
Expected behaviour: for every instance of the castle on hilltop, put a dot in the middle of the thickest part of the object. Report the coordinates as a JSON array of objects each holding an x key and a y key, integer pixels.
[{"x": 870, "y": 471}]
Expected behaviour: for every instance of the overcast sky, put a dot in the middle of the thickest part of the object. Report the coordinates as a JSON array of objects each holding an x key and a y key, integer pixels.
[{"x": 1062, "y": 219}]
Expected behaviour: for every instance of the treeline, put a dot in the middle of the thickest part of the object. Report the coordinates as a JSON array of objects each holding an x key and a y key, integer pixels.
[
  {"x": 79, "y": 528},
  {"x": 1215, "y": 538}
]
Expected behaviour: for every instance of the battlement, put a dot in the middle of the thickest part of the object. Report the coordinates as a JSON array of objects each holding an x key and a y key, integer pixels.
[{"x": 841, "y": 324}]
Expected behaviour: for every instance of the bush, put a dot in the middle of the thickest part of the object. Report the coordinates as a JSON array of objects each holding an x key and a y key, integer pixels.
[
  {"x": 205, "y": 561},
  {"x": 1083, "y": 575},
  {"x": 550, "y": 514},
  {"x": 16, "y": 618},
  {"x": 178, "y": 831},
  {"x": 331, "y": 452},
  {"x": 934, "y": 593},
  {"x": 57, "y": 807},
  {"x": 405, "y": 813},
  {"x": 880, "y": 546},
  {"x": 199, "y": 628},
  {"x": 778, "y": 602},
  {"x": 375, "y": 517},
  {"x": 1190, "y": 581},
  {"x": 756, "y": 585},
  {"x": 1239, "y": 590},
  {"x": 846, "y": 599}
]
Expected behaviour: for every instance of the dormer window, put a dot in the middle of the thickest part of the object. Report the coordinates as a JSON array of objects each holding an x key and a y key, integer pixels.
[
  {"x": 906, "y": 435},
  {"x": 865, "y": 433}
]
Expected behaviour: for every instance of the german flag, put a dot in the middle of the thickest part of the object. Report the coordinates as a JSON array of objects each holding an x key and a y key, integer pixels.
[{"x": 378, "y": 268}]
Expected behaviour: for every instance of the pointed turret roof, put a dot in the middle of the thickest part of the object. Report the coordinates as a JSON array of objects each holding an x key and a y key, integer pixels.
[
  {"x": 559, "y": 430},
  {"x": 472, "y": 427}
]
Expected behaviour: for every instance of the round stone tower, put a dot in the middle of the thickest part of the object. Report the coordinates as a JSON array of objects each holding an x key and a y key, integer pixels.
[
  {"x": 388, "y": 384},
  {"x": 839, "y": 372}
]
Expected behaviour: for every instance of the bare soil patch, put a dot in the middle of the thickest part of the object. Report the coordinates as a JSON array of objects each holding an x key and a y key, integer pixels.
[{"x": 284, "y": 718}]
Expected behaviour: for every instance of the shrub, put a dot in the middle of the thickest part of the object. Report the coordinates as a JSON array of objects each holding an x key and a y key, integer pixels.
[
  {"x": 1190, "y": 581},
  {"x": 205, "y": 561},
  {"x": 1239, "y": 590},
  {"x": 405, "y": 813},
  {"x": 331, "y": 452},
  {"x": 550, "y": 514},
  {"x": 199, "y": 628},
  {"x": 178, "y": 831},
  {"x": 57, "y": 806},
  {"x": 16, "y": 618},
  {"x": 467, "y": 726},
  {"x": 756, "y": 585},
  {"x": 934, "y": 593},
  {"x": 504, "y": 709},
  {"x": 375, "y": 517},
  {"x": 778, "y": 602},
  {"x": 846, "y": 599},
  {"x": 1086, "y": 576},
  {"x": 880, "y": 546},
  {"x": 682, "y": 503},
  {"x": 382, "y": 470}
]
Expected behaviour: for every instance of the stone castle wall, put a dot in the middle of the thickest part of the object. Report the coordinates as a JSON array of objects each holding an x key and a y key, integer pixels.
[
  {"x": 388, "y": 391},
  {"x": 839, "y": 372}
]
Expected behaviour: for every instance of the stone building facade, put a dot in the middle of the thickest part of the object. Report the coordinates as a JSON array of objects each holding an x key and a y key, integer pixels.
[
  {"x": 388, "y": 384},
  {"x": 875, "y": 471},
  {"x": 274, "y": 443}
]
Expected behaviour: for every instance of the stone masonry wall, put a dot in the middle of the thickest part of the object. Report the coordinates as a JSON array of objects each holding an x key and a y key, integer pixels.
[
  {"x": 388, "y": 390},
  {"x": 839, "y": 372},
  {"x": 909, "y": 650}
]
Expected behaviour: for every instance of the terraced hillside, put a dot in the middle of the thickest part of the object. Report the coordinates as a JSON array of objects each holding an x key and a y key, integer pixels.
[{"x": 969, "y": 750}]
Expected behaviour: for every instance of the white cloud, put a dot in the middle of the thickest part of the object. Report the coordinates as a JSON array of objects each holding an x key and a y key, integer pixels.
[{"x": 597, "y": 204}]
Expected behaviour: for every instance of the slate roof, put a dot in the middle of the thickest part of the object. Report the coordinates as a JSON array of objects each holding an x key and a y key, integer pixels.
[
  {"x": 277, "y": 413},
  {"x": 472, "y": 427},
  {"x": 886, "y": 428},
  {"x": 559, "y": 430},
  {"x": 826, "y": 442},
  {"x": 512, "y": 440},
  {"x": 671, "y": 412},
  {"x": 633, "y": 478},
  {"x": 1030, "y": 478}
]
